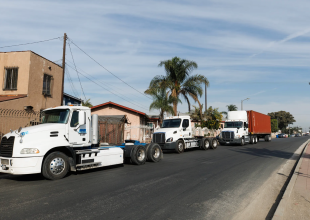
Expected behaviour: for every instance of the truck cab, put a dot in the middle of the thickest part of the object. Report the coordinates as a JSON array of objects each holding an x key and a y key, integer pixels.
[{"x": 176, "y": 134}]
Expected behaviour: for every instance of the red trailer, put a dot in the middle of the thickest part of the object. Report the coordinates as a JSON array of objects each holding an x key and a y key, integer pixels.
[{"x": 259, "y": 125}]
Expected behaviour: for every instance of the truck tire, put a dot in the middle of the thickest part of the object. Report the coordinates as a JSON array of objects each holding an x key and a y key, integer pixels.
[
  {"x": 242, "y": 142},
  {"x": 255, "y": 140},
  {"x": 55, "y": 166},
  {"x": 268, "y": 138},
  {"x": 154, "y": 153},
  {"x": 252, "y": 140},
  {"x": 179, "y": 148},
  {"x": 138, "y": 155},
  {"x": 213, "y": 143},
  {"x": 205, "y": 144}
]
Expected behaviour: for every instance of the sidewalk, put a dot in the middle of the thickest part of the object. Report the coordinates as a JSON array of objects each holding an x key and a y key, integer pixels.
[{"x": 295, "y": 203}]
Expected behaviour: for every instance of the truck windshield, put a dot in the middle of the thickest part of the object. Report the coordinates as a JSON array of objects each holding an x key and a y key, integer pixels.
[
  {"x": 171, "y": 123},
  {"x": 235, "y": 124},
  {"x": 55, "y": 116}
]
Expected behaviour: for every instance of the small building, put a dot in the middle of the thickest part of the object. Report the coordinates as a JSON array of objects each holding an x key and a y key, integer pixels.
[
  {"x": 135, "y": 127},
  {"x": 29, "y": 81},
  {"x": 71, "y": 100}
]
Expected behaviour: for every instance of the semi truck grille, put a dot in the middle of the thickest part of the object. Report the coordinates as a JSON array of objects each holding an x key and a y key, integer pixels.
[
  {"x": 159, "y": 138},
  {"x": 228, "y": 135},
  {"x": 6, "y": 146}
]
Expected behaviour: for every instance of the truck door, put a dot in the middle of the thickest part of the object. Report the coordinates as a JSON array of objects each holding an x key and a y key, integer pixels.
[
  {"x": 77, "y": 128},
  {"x": 185, "y": 128}
]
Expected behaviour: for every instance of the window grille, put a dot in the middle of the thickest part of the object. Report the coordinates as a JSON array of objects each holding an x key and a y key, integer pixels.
[
  {"x": 47, "y": 79},
  {"x": 11, "y": 75}
]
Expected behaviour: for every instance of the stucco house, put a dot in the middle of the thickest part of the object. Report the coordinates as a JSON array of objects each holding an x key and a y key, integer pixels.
[
  {"x": 29, "y": 81},
  {"x": 136, "y": 122}
]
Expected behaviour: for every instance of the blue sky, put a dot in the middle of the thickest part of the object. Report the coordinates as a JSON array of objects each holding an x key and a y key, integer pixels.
[{"x": 256, "y": 49}]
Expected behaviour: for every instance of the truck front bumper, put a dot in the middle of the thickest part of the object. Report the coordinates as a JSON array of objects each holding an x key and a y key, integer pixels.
[
  {"x": 168, "y": 146},
  {"x": 234, "y": 141},
  {"x": 26, "y": 165}
]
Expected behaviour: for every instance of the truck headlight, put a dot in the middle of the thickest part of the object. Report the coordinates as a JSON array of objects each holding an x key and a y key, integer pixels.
[
  {"x": 169, "y": 139},
  {"x": 29, "y": 151},
  {"x": 237, "y": 136}
]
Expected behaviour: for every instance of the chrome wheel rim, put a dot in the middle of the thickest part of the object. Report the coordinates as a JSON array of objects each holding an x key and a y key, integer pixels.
[
  {"x": 214, "y": 143},
  {"x": 156, "y": 153},
  {"x": 141, "y": 155},
  {"x": 206, "y": 144},
  {"x": 180, "y": 146},
  {"x": 57, "y": 165}
]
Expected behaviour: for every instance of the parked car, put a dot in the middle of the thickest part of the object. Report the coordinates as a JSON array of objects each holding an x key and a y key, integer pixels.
[
  {"x": 297, "y": 135},
  {"x": 281, "y": 135},
  {"x": 292, "y": 135}
]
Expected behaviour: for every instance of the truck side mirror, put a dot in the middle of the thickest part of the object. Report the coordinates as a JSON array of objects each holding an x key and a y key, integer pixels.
[
  {"x": 184, "y": 128},
  {"x": 82, "y": 118}
]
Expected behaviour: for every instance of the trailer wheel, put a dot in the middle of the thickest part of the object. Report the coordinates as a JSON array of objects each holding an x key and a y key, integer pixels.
[
  {"x": 242, "y": 142},
  {"x": 154, "y": 153},
  {"x": 55, "y": 166},
  {"x": 205, "y": 144},
  {"x": 138, "y": 155},
  {"x": 213, "y": 143},
  {"x": 179, "y": 146}
]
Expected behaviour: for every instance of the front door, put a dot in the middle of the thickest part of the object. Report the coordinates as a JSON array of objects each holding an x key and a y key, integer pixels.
[
  {"x": 77, "y": 132},
  {"x": 185, "y": 128}
]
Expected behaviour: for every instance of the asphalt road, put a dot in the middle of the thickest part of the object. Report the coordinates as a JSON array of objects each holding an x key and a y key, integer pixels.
[{"x": 194, "y": 185}]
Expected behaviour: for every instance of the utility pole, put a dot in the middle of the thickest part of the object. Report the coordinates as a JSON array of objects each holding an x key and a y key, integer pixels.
[
  {"x": 242, "y": 102},
  {"x": 63, "y": 68},
  {"x": 205, "y": 97}
]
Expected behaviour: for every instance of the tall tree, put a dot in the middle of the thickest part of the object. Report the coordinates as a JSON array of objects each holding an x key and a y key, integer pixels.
[
  {"x": 161, "y": 102},
  {"x": 284, "y": 118},
  {"x": 179, "y": 82},
  {"x": 196, "y": 114},
  {"x": 274, "y": 125}
]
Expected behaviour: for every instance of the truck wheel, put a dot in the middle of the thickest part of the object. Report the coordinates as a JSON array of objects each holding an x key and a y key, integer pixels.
[
  {"x": 213, "y": 142},
  {"x": 138, "y": 155},
  {"x": 179, "y": 146},
  {"x": 268, "y": 138},
  {"x": 242, "y": 142},
  {"x": 154, "y": 153},
  {"x": 252, "y": 140},
  {"x": 55, "y": 166},
  {"x": 205, "y": 144},
  {"x": 255, "y": 140}
]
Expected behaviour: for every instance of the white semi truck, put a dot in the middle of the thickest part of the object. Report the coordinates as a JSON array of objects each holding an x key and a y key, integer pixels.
[
  {"x": 245, "y": 127},
  {"x": 66, "y": 140},
  {"x": 176, "y": 134}
]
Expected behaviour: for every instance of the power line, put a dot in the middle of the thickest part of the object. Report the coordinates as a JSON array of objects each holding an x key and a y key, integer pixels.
[
  {"x": 77, "y": 72},
  {"x": 103, "y": 83},
  {"x": 107, "y": 89},
  {"x": 108, "y": 70},
  {"x": 32, "y": 42},
  {"x": 71, "y": 83}
]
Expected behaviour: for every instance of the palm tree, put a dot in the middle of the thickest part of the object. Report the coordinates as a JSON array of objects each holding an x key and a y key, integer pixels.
[
  {"x": 196, "y": 114},
  {"x": 162, "y": 102},
  {"x": 87, "y": 103},
  {"x": 232, "y": 107},
  {"x": 178, "y": 81}
]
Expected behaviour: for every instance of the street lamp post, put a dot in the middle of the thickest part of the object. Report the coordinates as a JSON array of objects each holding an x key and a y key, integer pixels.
[{"x": 242, "y": 102}]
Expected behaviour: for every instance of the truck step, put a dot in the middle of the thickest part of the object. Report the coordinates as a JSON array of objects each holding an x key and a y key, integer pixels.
[{"x": 86, "y": 166}]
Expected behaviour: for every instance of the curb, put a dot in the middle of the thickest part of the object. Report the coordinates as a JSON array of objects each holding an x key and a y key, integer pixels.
[{"x": 280, "y": 211}]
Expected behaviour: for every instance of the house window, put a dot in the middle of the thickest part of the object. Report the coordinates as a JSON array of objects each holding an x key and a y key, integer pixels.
[
  {"x": 47, "y": 79},
  {"x": 11, "y": 75}
]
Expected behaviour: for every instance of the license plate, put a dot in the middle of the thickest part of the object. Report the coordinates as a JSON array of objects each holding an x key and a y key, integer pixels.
[{"x": 4, "y": 161}]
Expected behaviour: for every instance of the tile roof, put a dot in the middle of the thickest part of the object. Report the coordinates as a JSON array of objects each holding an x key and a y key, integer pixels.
[
  {"x": 121, "y": 106},
  {"x": 10, "y": 97}
]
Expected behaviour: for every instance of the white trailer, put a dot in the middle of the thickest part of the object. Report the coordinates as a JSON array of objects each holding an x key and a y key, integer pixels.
[
  {"x": 67, "y": 140},
  {"x": 176, "y": 134}
]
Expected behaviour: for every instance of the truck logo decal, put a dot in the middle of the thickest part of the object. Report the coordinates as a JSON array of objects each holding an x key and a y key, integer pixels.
[
  {"x": 82, "y": 131},
  {"x": 24, "y": 133}
]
